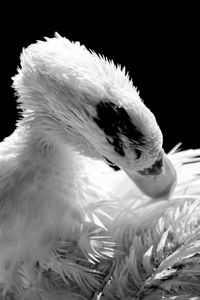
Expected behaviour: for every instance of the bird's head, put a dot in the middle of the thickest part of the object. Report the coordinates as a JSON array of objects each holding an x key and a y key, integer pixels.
[
  {"x": 91, "y": 102},
  {"x": 126, "y": 135}
]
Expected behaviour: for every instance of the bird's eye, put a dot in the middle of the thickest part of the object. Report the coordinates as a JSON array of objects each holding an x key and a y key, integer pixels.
[
  {"x": 138, "y": 153},
  {"x": 111, "y": 164}
]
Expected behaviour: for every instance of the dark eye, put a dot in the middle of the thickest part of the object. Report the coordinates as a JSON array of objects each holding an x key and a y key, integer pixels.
[
  {"x": 111, "y": 164},
  {"x": 138, "y": 153}
]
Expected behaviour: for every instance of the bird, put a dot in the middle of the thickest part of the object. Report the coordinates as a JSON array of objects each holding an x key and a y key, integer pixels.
[{"x": 76, "y": 108}]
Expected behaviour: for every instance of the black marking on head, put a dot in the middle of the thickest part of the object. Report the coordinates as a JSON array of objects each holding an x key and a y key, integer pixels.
[
  {"x": 115, "y": 121},
  {"x": 117, "y": 143}
]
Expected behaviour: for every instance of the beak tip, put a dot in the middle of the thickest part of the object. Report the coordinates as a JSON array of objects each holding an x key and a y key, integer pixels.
[{"x": 157, "y": 187}]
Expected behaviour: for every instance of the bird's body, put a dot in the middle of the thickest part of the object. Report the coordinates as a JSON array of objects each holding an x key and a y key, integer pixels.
[{"x": 75, "y": 104}]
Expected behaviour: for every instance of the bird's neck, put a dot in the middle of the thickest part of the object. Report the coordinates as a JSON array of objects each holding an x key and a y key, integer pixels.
[
  {"x": 43, "y": 126},
  {"x": 38, "y": 146},
  {"x": 42, "y": 148},
  {"x": 53, "y": 164}
]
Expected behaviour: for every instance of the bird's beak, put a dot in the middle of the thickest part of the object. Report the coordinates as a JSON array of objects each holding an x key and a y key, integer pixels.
[
  {"x": 162, "y": 181},
  {"x": 157, "y": 168}
]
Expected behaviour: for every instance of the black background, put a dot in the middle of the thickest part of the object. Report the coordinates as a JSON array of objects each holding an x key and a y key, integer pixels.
[{"x": 158, "y": 45}]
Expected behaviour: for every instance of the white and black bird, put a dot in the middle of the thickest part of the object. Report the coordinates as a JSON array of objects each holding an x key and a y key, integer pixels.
[{"x": 75, "y": 104}]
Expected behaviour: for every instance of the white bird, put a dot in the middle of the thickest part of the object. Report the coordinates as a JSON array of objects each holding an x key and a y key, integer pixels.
[{"x": 75, "y": 104}]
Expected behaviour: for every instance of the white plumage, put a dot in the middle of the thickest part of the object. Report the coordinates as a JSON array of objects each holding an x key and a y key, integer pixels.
[{"x": 76, "y": 107}]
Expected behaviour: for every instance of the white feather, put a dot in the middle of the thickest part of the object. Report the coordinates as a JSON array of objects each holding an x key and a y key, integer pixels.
[{"x": 59, "y": 206}]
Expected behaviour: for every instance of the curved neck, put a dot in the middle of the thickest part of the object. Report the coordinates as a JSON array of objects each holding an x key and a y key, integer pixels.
[
  {"x": 47, "y": 167},
  {"x": 42, "y": 125},
  {"x": 35, "y": 146}
]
